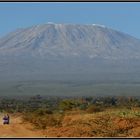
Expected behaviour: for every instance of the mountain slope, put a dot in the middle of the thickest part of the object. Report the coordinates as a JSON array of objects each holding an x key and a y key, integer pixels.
[
  {"x": 63, "y": 49},
  {"x": 63, "y": 40}
]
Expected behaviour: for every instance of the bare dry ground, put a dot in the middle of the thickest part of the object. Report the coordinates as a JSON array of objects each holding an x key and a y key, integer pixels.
[
  {"x": 109, "y": 123},
  {"x": 17, "y": 128}
]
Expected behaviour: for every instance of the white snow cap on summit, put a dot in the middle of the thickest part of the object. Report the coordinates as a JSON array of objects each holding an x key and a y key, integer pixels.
[
  {"x": 99, "y": 25},
  {"x": 51, "y": 23}
]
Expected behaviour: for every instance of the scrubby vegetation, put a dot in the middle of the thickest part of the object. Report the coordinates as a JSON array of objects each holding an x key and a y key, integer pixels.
[{"x": 79, "y": 116}]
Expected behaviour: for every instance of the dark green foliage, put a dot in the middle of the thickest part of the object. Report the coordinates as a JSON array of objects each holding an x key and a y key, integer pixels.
[
  {"x": 83, "y": 106},
  {"x": 67, "y": 104},
  {"x": 49, "y": 105}
]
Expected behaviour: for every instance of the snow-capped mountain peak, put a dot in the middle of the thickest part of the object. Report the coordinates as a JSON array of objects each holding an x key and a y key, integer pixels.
[{"x": 67, "y": 39}]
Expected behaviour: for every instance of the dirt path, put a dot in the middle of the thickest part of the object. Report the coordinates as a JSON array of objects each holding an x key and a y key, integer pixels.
[{"x": 17, "y": 128}]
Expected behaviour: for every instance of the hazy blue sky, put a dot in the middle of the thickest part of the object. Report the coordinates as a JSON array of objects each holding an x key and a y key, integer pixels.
[{"x": 121, "y": 16}]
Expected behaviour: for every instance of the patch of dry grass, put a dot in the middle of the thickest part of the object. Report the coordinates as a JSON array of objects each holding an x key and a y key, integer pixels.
[{"x": 109, "y": 123}]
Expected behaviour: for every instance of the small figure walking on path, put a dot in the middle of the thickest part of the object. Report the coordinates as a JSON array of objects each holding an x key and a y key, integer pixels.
[{"x": 6, "y": 119}]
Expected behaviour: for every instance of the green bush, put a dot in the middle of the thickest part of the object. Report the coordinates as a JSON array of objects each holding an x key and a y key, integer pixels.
[
  {"x": 67, "y": 104},
  {"x": 83, "y": 107}
]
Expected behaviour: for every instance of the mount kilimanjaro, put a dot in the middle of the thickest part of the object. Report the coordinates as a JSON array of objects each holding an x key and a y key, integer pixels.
[{"x": 64, "y": 49}]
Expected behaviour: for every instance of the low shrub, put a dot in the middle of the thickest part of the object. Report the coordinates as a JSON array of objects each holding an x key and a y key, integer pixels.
[
  {"x": 43, "y": 121},
  {"x": 94, "y": 109},
  {"x": 41, "y": 112},
  {"x": 83, "y": 107}
]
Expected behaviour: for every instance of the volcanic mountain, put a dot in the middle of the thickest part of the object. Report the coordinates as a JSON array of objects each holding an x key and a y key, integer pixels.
[{"x": 67, "y": 49}]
